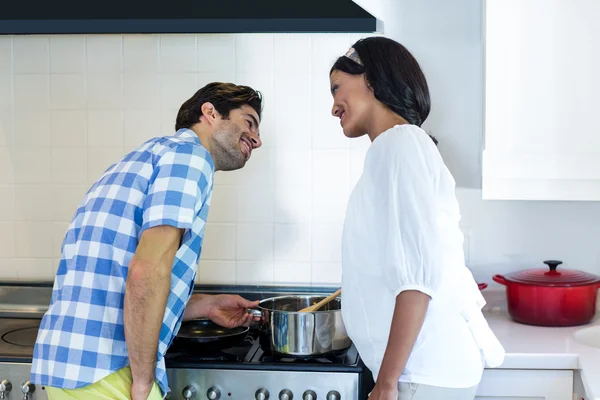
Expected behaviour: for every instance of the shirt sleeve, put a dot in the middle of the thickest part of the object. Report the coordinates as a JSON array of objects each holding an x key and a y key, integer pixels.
[
  {"x": 177, "y": 188},
  {"x": 415, "y": 260}
]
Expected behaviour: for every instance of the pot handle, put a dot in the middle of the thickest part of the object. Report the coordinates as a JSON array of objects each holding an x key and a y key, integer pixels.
[
  {"x": 255, "y": 312},
  {"x": 482, "y": 286},
  {"x": 500, "y": 279}
]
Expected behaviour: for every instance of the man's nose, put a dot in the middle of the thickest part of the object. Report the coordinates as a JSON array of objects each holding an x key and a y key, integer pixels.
[{"x": 256, "y": 142}]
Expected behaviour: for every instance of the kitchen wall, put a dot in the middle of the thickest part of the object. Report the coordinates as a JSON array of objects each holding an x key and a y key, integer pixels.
[
  {"x": 446, "y": 37},
  {"x": 71, "y": 105}
]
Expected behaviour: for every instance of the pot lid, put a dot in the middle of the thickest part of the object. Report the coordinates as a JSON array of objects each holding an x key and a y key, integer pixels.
[{"x": 552, "y": 277}]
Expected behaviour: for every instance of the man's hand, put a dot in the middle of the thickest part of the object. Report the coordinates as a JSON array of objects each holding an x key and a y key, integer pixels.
[
  {"x": 140, "y": 391},
  {"x": 230, "y": 311},
  {"x": 384, "y": 392}
]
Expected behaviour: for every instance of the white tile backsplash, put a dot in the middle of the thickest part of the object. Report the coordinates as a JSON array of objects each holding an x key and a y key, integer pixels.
[
  {"x": 31, "y": 54},
  {"x": 178, "y": 53},
  {"x": 69, "y": 165},
  {"x": 31, "y": 91},
  {"x": 6, "y": 61},
  {"x": 72, "y": 105},
  {"x": 7, "y": 244},
  {"x": 254, "y": 242},
  {"x": 140, "y": 53},
  {"x": 104, "y": 91},
  {"x": 68, "y": 128},
  {"x": 104, "y": 53},
  {"x": 67, "y": 91},
  {"x": 216, "y": 53},
  {"x": 31, "y": 129},
  {"x": 30, "y": 205},
  {"x": 67, "y": 54},
  {"x": 105, "y": 128},
  {"x": 7, "y": 203},
  {"x": 6, "y": 91}
]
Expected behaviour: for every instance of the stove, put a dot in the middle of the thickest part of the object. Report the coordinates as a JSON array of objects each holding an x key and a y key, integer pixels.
[
  {"x": 251, "y": 371},
  {"x": 246, "y": 371},
  {"x": 17, "y": 337}
]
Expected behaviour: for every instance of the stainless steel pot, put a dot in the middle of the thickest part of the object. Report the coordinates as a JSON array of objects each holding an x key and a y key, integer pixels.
[{"x": 303, "y": 334}]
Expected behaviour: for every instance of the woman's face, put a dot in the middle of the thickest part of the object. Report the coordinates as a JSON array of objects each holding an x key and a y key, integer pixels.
[{"x": 352, "y": 102}]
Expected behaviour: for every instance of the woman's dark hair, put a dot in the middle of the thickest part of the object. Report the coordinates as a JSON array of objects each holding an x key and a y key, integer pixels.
[
  {"x": 224, "y": 96},
  {"x": 393, "y": 74}
]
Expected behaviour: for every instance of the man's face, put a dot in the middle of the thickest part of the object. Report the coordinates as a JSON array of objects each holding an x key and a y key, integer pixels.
[{"x": 234, "y": 138}]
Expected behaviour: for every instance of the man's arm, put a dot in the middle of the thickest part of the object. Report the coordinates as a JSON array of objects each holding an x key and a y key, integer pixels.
[
  {"x": 146, "y": 292},
  {"x": 197, "y": 307}
]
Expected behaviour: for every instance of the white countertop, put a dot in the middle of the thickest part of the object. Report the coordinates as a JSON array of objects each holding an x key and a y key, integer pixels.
[{"x": 533, "y": 347}]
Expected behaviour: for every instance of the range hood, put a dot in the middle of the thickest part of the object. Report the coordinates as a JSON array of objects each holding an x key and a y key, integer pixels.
[{"x": 183, "y": 16}]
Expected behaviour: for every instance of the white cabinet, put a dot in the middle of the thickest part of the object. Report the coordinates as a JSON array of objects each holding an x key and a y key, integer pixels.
[
  {"x": 542, "y": 99},
  {"x": 513, "y": 384}
]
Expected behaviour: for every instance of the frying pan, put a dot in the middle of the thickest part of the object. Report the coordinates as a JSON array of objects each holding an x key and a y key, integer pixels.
[{"x": 208, "y": 335}]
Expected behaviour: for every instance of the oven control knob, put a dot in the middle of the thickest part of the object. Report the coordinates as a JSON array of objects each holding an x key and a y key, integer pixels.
[
  {"x": 285, "y": 395},
  {"x": 189, "y": 393},
  {"x": 213, "y": 393},
  {"x": 27, "y": 388},
  {"x": 5, "y": 388},
  {"x": 261, "y": 394},
  {"x": 309, "y": 395},
  {"x": 333, "y": 395}
]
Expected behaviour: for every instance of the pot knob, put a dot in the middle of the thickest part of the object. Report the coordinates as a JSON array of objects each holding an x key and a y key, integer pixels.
[
  {"x": 333, "y": 395},
  {"x": 285, "y": 395},
  {"x": 309, "y": 395},
  {"x": 213, "y": 393},
  {"x": 189, "y": 392},
  {"x": 552, "y": 264},
  {"x": 262, "y": 394}
]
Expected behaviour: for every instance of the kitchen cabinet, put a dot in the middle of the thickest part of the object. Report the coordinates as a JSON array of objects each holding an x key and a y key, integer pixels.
[
  {"x": 579, "y": 392},
  {"x": 541, "y": 64},
  {"x": 515, "y": 384}
]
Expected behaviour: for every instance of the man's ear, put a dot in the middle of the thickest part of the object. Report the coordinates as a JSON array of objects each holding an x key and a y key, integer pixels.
[{"x": 209, "y": 113}]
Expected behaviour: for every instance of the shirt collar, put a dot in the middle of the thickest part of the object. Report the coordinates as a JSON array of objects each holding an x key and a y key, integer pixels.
[{"x": 188, "y": 133}]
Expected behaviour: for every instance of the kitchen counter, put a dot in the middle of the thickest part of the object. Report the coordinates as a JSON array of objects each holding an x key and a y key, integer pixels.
[{"x": 543, "y": 348}]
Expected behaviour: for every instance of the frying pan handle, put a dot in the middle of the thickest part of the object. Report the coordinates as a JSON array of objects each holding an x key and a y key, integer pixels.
[{"x": 500, "y": 279}]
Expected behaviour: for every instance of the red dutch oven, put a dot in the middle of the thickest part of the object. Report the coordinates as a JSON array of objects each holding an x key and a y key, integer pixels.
[{"x": 547, "y": 297}]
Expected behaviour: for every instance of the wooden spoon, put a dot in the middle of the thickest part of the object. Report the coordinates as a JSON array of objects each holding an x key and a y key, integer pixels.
[{"x": 320, "y": 304}]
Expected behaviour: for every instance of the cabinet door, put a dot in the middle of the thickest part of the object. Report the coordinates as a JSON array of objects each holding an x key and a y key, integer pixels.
[
  {"x": 542, "y": 141},
  {"x": 511, "y": 384}
]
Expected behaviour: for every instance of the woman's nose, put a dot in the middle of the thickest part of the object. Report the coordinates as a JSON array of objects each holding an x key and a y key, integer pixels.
[{"x": 335, "y": 111}]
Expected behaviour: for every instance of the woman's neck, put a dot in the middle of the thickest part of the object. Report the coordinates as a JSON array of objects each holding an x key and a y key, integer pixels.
[{"x": 383, "y": 119}]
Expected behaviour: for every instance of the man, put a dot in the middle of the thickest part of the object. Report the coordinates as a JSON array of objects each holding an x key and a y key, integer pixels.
[{"x": 130, "y": 256}]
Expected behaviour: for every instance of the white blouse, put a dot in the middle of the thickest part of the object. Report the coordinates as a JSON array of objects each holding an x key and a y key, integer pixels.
[{"x": 401, "y": 232}]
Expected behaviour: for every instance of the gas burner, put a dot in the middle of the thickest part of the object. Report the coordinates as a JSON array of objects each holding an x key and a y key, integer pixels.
[{"x": 337, "y": 358}]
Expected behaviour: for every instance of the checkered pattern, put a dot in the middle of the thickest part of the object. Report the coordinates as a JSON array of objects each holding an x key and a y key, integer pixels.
[{"x": 166, "y": 181}]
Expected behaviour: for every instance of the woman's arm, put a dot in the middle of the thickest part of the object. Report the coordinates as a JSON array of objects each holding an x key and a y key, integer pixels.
[{"x": 409, "y": 313}]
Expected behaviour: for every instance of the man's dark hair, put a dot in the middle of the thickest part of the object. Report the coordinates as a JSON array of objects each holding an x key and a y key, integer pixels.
[
  {"x": 224, "y": 96},
  {"x": 393, "y": 74}
]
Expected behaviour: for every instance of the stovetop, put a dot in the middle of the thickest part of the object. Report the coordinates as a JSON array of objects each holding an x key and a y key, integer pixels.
[
  {"x": 17, "y": 337},
  {"x": 19, "y": 331},
  {"x": 254, "y": 353}
]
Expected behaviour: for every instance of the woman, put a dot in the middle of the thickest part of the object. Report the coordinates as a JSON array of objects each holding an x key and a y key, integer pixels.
[{"x": 410, "y": 305}]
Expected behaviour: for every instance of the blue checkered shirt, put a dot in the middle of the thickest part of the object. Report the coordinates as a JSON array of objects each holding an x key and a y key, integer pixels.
[{"x": 166, "y": 181}]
